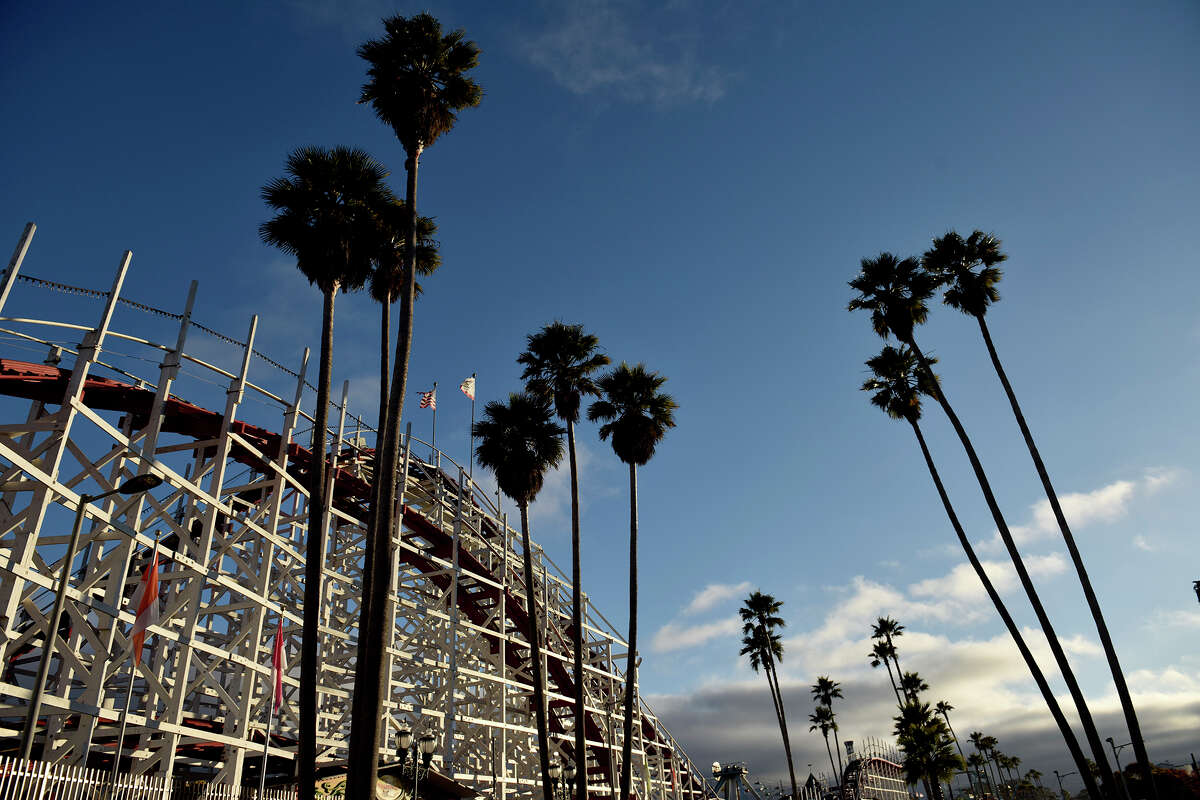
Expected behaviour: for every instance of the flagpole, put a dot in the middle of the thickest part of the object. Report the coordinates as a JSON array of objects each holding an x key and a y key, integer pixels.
[
  {"x": 471, "y": 461},
  {"x": 433, "y": 442},
  {"x": 136, "y": 659},
  {"x": 262, "y": 778}
]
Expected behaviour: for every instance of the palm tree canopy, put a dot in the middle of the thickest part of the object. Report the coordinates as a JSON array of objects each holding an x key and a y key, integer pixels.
[
  {"x": 763, "y": 647},
  {"x": 895, "y": 291},
  {"x": 391, "y": 250},
  {"x": 943, "y": 707},
  {"x": 635, "y": 414},
  {"x": 899, "y": 383},
  {"x": 968, "y": 267},
  {"x": 325, "y": 217},
  {"x": 913, "y": 684},
  {"x": 559, "y": 361},
  {"x": 825, "y": 691},
  {"x": 761, "y": 610},
  {"x": 886, "y": 628},
  {"x": 518, "y": 441},
  {"x": 822, "y": 719},
  {"x": 417, "y": 78},
  {"x": 881, "y": 651}
]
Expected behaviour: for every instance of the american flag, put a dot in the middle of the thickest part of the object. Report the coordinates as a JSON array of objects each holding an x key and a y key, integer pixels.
[{"x": 429, "y": 399}]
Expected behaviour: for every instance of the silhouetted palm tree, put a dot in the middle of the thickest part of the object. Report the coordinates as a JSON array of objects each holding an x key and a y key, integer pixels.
[
  {"x": 417, "y": 83},
  {"x": 912, "y": 684},
  {"x": 881, "y": 653},
  {"x": 324, "y": 212},
  {"x": 897, "y": 388},
  {"x": 928, "y": 752},
  {"x": 559, "y": 361},
  {"x": 968, "y": 266},
  {"x": 944, "y": 708},
  {"x": 822, "y": 719},
  {"x": 824, "y": 692},
  {"x": 896, "y": 292},
  {"x": 519, "y": 441},
  {"x": 888, "y": 630},
  {"x": 636, "y": 416},
  {"x": 760, "y": 641}
]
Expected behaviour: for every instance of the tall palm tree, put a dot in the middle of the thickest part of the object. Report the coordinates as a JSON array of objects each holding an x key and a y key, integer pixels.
[
  {"x": 559, "y": 361},
  {"x": 928, "y": 753},
  {"x": 912, "y": 684},
  {"x": 896, "y": 292},
  {"x": 897, "y": 388},
  {"x": 975, "y": 762},
  {"x": 519, "y": 441},
  {"x": 389, "y": 244},
  {"x": 764, "y": 646},
  {"x": 944, "y": 708},
  {"x": 824, "y": 692},
  {"x": 822, "y": 719},
  {"x": 882, "y": 653},
  {"x": 980, "y": 742},
  {"x": 324, "y": 212},
  {"x": 636, "y": 416},
  {"x": 968, "y": 266},
  {"x": 417, "y": 83},
  {"x": 888, "y": 630}
]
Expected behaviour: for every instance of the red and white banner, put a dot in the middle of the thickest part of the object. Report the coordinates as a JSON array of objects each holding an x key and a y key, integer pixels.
[
  {"x": 467, "y": 387},
  {"x": 145, "y": 600}
]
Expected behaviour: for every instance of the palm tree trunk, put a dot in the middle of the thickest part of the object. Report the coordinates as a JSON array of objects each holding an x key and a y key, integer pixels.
[
  {"x": 359, "y": 710},
  {"x": 1060, "y": 656},
  {"x": 631, "y": 656},
  {"x": 363, "y": 763},
  {"x": 535, "y": 654},
  {"x": 895, "y": 688},
  {"x": 581, "y": 774},
  {"x": 1039, "y": 677},
  {"x": 837, "y": 778},
  {"x": 837, "y": 746},
  {"x": 1110, "y": 652},
  {"x": 899, "y": 673},
  {"x": 313, "y": 557},
  {"x": 773, "y": 679}
]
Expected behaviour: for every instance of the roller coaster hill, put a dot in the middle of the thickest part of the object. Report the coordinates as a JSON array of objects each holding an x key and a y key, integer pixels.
[{"x": 88, "y": 405}]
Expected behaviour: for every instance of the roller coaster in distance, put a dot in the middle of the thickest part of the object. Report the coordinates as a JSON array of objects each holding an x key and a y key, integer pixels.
[{"x": 230, "y": 523}]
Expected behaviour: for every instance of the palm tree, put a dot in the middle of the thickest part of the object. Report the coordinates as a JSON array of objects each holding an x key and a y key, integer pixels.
[
  {"x": 824, "y": 692},
  {"x": 912, "y": 684},
  {"x": 881, "y": 654},
  {"x": 636, "y": 416},
  {"x": 928, "y": 754},
  {"x": 981, "y": 745},
  {"x": 822, "y": 719},
  {"x": 417, "y": 83},
  {"x": 519, "y": 441},
  {"x": 760, "y": 618},
  {"x": 968, "y": 266},
  {"x": 897, "y": 388},
  {"x": 975, "y": 762},
  {"x": 896, "y": 292},
  {"x": 944, "y": 708},
  {"x": 888, "y": 630},
  {"x": 559, "y": 362},
  {"x": 324, "y": 211}
]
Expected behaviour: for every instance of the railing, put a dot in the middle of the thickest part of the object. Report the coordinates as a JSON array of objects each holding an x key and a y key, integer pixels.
[{"x": 43, "y": 780}]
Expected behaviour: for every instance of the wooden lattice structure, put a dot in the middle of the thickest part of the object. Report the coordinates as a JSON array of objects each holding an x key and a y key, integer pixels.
[{"x": 230, "y": 520}]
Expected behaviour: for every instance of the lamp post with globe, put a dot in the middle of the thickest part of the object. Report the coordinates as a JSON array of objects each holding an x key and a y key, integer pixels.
[
  {"x": 562, "y": 778},
  {"x": 421, "y": 752}
]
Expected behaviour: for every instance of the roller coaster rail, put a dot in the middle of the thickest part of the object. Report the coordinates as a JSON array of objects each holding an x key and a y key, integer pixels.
[{"x": 230, "y": 519}]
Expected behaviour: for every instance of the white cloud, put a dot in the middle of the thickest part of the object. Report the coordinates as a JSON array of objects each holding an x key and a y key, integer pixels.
[
  {"x": 1158, "y": 478},
  {"x": 677, "y": 637},
  {"x": 715, "y": 593},
  {"x": 607, "y": 46},
  {"x": 1175, "y": 618},
  {"x": 1142, "y": 543}
]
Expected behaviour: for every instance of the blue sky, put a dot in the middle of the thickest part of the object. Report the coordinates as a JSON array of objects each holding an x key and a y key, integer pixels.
[{"x": 695, "y": 182}]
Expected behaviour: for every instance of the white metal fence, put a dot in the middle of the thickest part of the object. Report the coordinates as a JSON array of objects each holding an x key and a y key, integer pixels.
[{"x": 43, "y": 780}]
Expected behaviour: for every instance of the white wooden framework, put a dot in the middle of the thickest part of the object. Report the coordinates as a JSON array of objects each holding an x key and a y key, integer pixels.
[{"x": 230, "y": 518}]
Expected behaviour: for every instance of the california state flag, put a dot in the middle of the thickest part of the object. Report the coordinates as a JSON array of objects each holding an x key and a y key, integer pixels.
[
  {"x": 277, "y": 665},
  {"x": 145, "y": 600}
]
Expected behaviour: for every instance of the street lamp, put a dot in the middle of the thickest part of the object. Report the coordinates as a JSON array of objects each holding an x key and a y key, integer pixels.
[
  {"x": 561, "y": 777},
  {"x": 1117, "y": 748},
  {"x": 423, "y": 746},
  {"x": 1061, "y": 791},
  {"x": 135, "y": 485}
]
